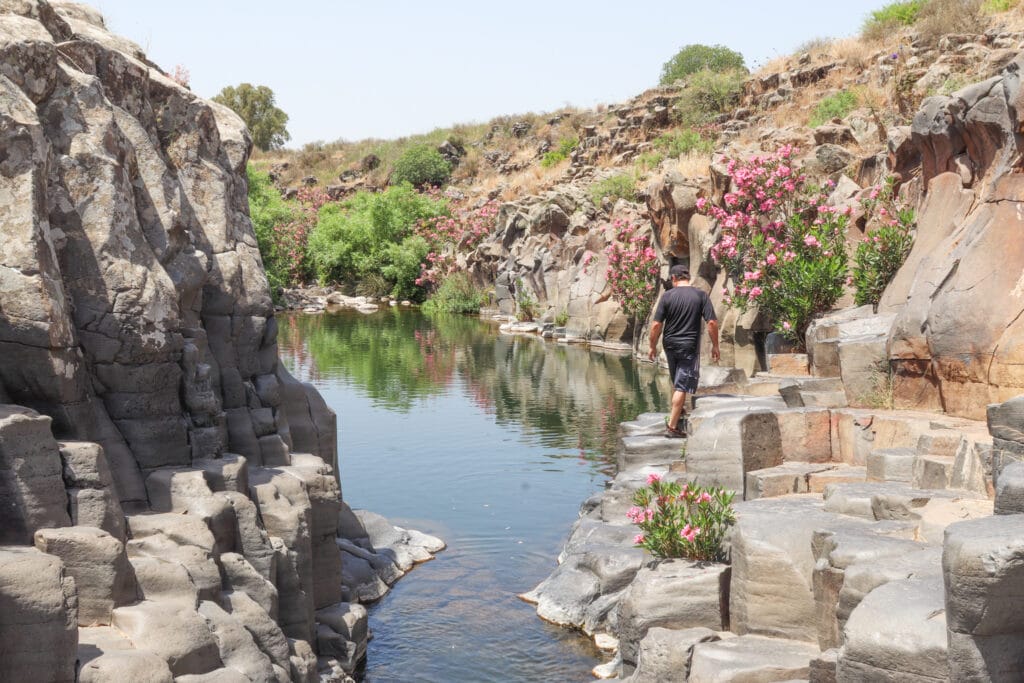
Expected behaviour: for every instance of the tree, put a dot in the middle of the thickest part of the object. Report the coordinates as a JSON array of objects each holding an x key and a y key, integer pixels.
[
  {"x": 421, "y": 165},
  {"x": 694, "y": 58},
  {"x": 255, "y": 104}
]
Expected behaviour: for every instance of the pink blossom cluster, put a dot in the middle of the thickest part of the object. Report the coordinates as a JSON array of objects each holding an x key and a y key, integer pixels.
[
  {"x": 291, "y": 239},
  {"x": 633, "y": 268},
  {"x": 446, "y": 236}
]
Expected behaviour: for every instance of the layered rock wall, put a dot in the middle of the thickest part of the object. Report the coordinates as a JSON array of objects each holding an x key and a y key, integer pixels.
[{"x": 178, "y": 485}]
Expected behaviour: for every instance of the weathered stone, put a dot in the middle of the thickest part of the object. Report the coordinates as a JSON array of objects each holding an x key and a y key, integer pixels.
[
  {"x": 750, "y": 658},
  {"x": 227, "y": 473},
  {"x": 31, "y": 484},
  {"x": 664, "y": 654},
  {"x": 729, "y": 439},
  {"x": 672, "y": 594},
  {"x": 891, "y": 464},
  {"x": 790, "y": 477},
  {"x": 39, "y": 615},
  {"x": 142, "y": 666},
  {"x": 1010, "y": 490},
  {"x": 239, "y": 575},
  {"x": 265, "y": 632},
  {"x": 237, "y": 648},
  {"x": 98, "y": 564},
  {"x": 178, "y": 636},
  {"x": 905, "y": 644},
  {"x": 981, "y": 567}
]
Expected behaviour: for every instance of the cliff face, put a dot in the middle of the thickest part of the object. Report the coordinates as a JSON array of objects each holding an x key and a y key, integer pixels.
[{"x": 192, "y": 495}]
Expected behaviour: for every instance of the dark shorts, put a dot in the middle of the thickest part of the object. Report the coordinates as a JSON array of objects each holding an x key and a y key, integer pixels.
[{"x": 684, "y": 369}]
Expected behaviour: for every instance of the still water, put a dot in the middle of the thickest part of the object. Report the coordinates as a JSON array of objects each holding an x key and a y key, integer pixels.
[{"x": 488, "y": 441}]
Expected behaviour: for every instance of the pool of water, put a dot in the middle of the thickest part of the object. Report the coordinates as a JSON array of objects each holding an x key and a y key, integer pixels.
[{"x": 490, "y": 442}]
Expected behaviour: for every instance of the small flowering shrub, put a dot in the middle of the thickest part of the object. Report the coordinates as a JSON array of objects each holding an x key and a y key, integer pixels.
[
  {"x": 686, "y": 520},
  {"x": 782, "y": 246},
  {"x": 447, "y": 236},
  {"x": 884, "y": 248},
  {"x": 633, "y": 269}
]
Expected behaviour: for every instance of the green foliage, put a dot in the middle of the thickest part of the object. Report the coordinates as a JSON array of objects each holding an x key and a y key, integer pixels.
[
  {"x": 892, "y": 17},
  {"x": 562, "y": 319},
  {"x": 526, "y": 305},
  {"x": 270, "y": 215},
  {"x": 649, "y": 160},
  {"x": 687, "y": 521},
  {"x": 682, "y": 142},
  {"x": 883, "y": 249},
  {"x": 561, "y": 153},
  {"x": 708, "y": 94},
  {"x": 255, "y": 104},
  {"x": 695, "y": 58},
  {"x": 618, "y": 186},
  {"x": 421, "y": 165},
  {"x": 997, "y": 6},
  {"x": 833, "y": 107},
  {"x": 456, "y": 294},
  {"x": 372, "y": 233}
]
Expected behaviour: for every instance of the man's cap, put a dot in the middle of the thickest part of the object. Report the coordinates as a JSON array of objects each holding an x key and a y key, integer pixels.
[{"x": 679, "y": 272}]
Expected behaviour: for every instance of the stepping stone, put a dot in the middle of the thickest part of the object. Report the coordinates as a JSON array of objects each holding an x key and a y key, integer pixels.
[
  {"x": 788, "y": 364},
  {"x": 933, "y": 471},
  {"x": 646, "y": 424},
  {"x": 825, "y": 399},
  {"x": 840, "y": 474},
  {"x": 795, "y": 392},
  {"x": 649, "y": 450},
  {"x": 751, "y": 658},
  {"x": 891, "y": 464},
  {"x": 790, "y": 477}
]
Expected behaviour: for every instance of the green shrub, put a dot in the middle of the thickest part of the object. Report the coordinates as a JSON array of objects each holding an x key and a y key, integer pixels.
[
  {"x": 683, "y": 142},
  {"x": 368, "y": 234},
  {"x": 560, "y": 154},
  {"x": 456, "y": 294},
  {"x": 882, "y": 22},
  {"x": 271, "y": 217},
  {"x": 696, "y": 58},
  {"x": 619, "y": 186},
  {"x": 709, "y": 94},
  {"x": 997, "y": 6},
  {"x": 402, "y": 267},
  {"x": 421, "y": 165},
  {"x": 649, "y": 160},
  {"x": 562, "y": 319},
  {"x": 682, "y": 520},
  {"x": 833, "y": 107},
  {"x": 526, "y": 305},
  {"x": 884, "y": 249}
]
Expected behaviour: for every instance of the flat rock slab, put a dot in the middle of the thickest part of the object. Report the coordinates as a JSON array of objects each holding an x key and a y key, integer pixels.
[
  {"x": 751, "y": 658},
  {"x": 646, "y": 424},
  {"x": 649, "y": 450},
  {"x": 840, "y": 474},
  {"x": 664, "y": 653},
  {"x": 891, "y": 464},
  {"x": 790, "y": 477}
]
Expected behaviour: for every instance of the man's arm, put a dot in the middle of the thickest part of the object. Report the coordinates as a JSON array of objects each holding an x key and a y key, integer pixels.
[
  {"x": 656, "y": 335},
  {"x": 716, "y": 355}
]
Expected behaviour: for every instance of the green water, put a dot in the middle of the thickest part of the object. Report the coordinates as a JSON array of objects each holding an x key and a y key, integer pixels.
[{"x": 490, "y": 442}]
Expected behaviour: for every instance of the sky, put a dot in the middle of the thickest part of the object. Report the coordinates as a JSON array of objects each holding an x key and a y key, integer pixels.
[{"x": 356, "y": 69}]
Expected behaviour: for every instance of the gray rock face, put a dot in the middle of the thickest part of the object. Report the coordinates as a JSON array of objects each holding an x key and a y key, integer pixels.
[
  {"x": 664, "y": 654},
  {"x": 750, "y": 658},
  {"x": 1010, "y": 490},
  {"x": 672, "y": 594},
  {"x": 982, "y": 564},
  {"x": 39, "y": 615}
]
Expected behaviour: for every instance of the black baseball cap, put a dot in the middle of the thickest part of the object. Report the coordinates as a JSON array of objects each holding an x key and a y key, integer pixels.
[{"x": 679, "y": 272}]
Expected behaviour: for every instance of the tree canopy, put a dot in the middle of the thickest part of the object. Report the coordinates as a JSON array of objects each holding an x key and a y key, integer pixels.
[
  {"x": 694, "y": 58},
  {"x": 255, "y": 104}
]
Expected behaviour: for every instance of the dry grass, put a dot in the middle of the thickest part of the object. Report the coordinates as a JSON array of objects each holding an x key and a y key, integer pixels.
[
  {"x": 531, "y": 181},
  {"x": 693, "y": 165},
  {"x": 943, "y": 17},
  {"x": 856, "y": 53}
]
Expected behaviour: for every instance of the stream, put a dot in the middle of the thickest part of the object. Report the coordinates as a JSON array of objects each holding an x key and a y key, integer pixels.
[{"x": 488, "y": 441}]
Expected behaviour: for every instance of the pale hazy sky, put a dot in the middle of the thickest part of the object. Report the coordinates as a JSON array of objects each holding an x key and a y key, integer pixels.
[{"x": 353, "y": 70}]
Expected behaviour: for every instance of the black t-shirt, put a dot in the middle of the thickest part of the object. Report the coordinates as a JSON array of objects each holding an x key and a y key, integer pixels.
[{"x": 681, "y": 309}]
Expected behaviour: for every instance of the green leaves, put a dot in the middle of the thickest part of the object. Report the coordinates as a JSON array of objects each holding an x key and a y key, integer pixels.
[
  {"x": 255, "y": 104},
  {"x": 696, "y": 57},
  {"x": 681, "y": 520}
]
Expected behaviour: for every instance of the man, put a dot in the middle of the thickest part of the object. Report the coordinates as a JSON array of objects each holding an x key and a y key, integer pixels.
[{"x": 677, "y": 322}]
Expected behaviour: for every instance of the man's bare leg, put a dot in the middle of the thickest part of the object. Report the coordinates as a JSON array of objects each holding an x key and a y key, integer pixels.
[{"x": 678, "y": 402}]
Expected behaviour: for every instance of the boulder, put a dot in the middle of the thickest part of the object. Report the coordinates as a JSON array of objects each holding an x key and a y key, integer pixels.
[
  {"x": 905, "y": 644},
  {"x": 664, "y": 654},
  {"x": 31, "y": 483},
  {"x": 127, "y": 665},
  {"x": 237, "y": 648},
  {"x": 672, "y": 594},
  {"x": 264, "y": 631},
  {"x": 98, "y": 564},
  {"x": 982, "y": 569},
  {"x": 1010, "y": 490},
  {"x": 179, "y": 636},
  {"x": 39, "y": 615}
]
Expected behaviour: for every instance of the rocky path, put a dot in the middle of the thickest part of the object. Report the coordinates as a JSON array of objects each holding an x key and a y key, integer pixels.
[{"x": 870, "y": 545}]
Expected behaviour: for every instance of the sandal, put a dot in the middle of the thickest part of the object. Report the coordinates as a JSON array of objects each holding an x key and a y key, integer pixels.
[{"x": 671, "y": 433}]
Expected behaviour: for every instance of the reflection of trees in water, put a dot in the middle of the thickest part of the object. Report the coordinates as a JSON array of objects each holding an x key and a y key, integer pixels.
[{"x": 572, "y": 397}]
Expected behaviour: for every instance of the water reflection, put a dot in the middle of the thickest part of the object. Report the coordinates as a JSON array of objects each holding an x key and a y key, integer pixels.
[
  {"x": 569, "y": 396},
  {"x": 490, "y": 442}
]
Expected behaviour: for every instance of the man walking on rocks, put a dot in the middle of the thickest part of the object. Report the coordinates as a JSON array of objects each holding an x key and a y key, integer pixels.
[{"x": 677, "y": 321}]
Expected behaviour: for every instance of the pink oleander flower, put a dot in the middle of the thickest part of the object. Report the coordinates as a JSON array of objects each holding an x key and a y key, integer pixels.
[
  {"x": 755, "y": 292},
  {"x": 653, "y": 477},
  {"x": 812, "y": 241},
  {"x": 786, "y": 326},
  {"x": 771, "y": 259},
  {"x": 639, "y": 539}
]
